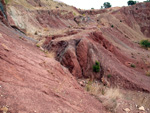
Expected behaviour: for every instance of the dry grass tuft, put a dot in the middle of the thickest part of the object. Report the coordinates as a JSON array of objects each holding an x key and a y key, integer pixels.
[
  {"x": 147, "y": 73},
  {"x": 50, "y": 54},
  {"x": 108, "y": 96}
]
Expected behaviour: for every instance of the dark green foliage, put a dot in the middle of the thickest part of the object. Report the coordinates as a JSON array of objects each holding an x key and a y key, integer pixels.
[
  {"x": 130, "y": 2},
  {"x": 112, "y": 26},
  {"x": 107, "y": 5},
  {"x": 147, "y": 1},
  {"x": 145, "y": 43},
  {"x": 96, "y": 67},
  {"x": 109, "y": 76},
  {"x": 6, "y": 2},
  {"x": 132, "y": 65}
]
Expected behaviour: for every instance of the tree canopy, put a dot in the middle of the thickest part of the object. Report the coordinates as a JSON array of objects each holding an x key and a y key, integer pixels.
[
  {"x": 130, "y": 2},
  {"x": 107, "y": 5}
]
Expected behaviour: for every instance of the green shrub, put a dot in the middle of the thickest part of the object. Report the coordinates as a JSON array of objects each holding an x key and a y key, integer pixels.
[
  {"x": 109, "y": 76},
  {"x": 147, "y": 73},
  {"x": 131, "y": 2},
  {"x": 132, "y": 65},
  {"x": 74, "y": 14},
  {"x": 112, "y": 26},
  {"x": 96, "y": 67},
  {"x": 88, "y": 85},
  {"x": 145, "y": 43},
  {"x": 83, "y": 15},
  {"x": 37, "y": 45},
  {"x": 6, "y": 2},
  {"x": 147, "y": 1}
]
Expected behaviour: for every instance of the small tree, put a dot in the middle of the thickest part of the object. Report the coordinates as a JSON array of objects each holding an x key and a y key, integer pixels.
[
  {"x": 147, "y": 1},
  {"x": 145, "y": 43},
  {"x": 107, "y": 5},
  {"x": 130, "y": 2},
  {"x": 96, "y": 67}
]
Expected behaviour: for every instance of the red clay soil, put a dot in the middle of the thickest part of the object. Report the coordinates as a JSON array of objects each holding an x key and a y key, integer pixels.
[
  {"x": 79, "y": 54},
  {"x": 31, "y": 82},
  {"x": 113, "y": 41},
  {"x": 136, "y": 15}
]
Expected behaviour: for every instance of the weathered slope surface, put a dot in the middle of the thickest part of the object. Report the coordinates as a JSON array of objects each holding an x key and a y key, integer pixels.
[
  {"x": 136, "y": 16},
  {"x": 31, "y": 82},
  {"x": 113, "y": 43},
  {"x": 79, "y": 52},
  {"x": 42, "y": 17}
]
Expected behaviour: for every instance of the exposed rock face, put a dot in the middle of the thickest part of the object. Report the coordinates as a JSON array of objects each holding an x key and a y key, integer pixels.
[
  {"x": 79, "y": 54},
  {"x": 31, "y": 82},
  {"x": 3, "y": 12},
  {"x": 136, "y": 16},
  {"x": 40, "y": 17}
]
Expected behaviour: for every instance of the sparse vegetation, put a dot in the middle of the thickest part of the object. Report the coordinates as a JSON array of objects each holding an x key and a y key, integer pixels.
[
  {"x": 37, "y": 45},
  {"x": 96, "y": 67},
  {"x": 133, "y": 65},
  {"x": 109, "y": 76},
  {"x": 111, "y": 97},
  {"x": 88, "y": 85},
  {"x": 107, "y": 5},
  {"x": 74, "y": 14},
  {"x": 147, "y": 1},
  {"x": 83, "y": 15},
  {"x": 145, "y": 43},
  {"x": 6, "y": 2},
  {"x": 147, "y": 73},
  {"x": 108, "y": 96},
  {"x": 131, "y": 2},
  {"x": 50, "y": 54}
]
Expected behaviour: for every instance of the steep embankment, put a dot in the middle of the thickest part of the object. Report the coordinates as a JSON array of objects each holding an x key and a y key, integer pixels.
[
  {"x": 110, "y": 40},
  {"x": 40, "y": 18},
  {"x": 110, "y": 36},
  {"x": 32, "y": 82}
]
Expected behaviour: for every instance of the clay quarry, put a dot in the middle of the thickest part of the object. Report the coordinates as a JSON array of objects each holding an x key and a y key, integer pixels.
[{"x": 55, "y": 58}]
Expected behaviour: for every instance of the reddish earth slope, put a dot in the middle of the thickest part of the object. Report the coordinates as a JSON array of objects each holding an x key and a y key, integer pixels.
[
  {"x": 109, "y": 36},
  {"x": 31, "y": 82},
  {"x": 136, "y": 16},
  {"x": 111, "y": 40}
]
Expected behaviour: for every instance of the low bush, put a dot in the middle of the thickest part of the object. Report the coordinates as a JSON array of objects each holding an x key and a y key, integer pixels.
[
  {"x": 96, "y": 67},
  {"x": 132, "y": 65},
  {"x": 109, "y": 76},
  {"x": 145, "y": 43},
  {"x": 37, "y": 45},
  {"x": 147, "y": 73}
]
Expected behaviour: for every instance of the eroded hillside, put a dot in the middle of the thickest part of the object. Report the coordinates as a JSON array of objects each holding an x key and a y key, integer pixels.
[{"x": 45, "y": 46}]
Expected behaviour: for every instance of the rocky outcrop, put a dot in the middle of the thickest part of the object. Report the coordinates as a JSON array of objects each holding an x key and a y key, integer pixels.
[
  {"x": 3, "y": 16},
  {"x": 79, "y": 52},
  {"x": 32, "y": 82}
]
